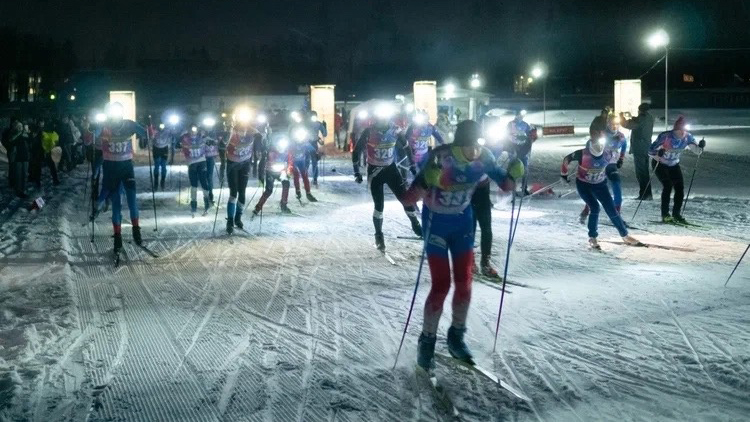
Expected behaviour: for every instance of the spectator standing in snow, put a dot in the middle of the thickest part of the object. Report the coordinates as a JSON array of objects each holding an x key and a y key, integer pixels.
[
  {"x": 49, "y": 140},
  {"x": 640, "y": 140}
]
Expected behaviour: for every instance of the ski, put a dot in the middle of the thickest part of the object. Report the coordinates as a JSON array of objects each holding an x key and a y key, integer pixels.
[
  {"x": 416, "y": 238},
  {"x": 484, "y": 372},
  {"x": 442, "y": 401},
  {"x": 685, "y": 225},
  {"x": 492, "y": 284},
  {"x": 148, "y": 251},
  {"x": 651, "y": 245},
  {"x": 388, "y": 258}
]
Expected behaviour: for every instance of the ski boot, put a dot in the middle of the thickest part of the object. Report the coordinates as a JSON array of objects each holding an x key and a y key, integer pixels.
[
  {"x": 161, "y": 185},
  {"x": 474, "y": 268},
  {"x": 380, "y": 242},
  {"x": 311, "y": 198},
  {"x": 457, "y": 347},
  {"x": 118, "y": 242},
  {"x": 315, "y": 184},
  {"x": 193, "y": 207},
  {"x": 667, "y": 219},
  {"x": 631, "y": 241},
  {"x": 680, "y": 220},
  {"x": 415, "y": 226},
  {"x": 299, "y": 196},
  {"x": 285, "y": 209},
  {"x": 238, "y": 221},
  {"x": 230, "y": 226},
  {"x": 487, "y": 269},
  {"x": 137, "y": 235},
  {"x": 593, "y": 243},
  {"x": 426, "y": 352}
]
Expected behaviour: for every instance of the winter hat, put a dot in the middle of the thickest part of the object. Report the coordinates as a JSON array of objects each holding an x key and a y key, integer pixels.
[
  {"x": 680, "y": 123},
  {"x": 467, "y": 133},
  {"x": 644, "y": 107}
]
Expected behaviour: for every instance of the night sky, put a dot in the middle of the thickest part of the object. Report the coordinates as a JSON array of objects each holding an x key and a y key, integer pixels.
[{"x": 442, "y": 39}]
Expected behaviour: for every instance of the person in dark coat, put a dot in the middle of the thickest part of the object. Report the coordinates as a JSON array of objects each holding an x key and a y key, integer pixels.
[
  {"x": 20, "y": 166},
  {"x": 642, "y": 128}
]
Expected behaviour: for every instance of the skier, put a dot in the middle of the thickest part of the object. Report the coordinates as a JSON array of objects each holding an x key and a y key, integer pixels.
[
  {"x": 275, "y": 164},
  {"x": 318, "y": 131},
  {"x": 117, "y": 168},
  {"x": 93, "y": 145},
  {"x": 521, "y": 136},
  {"x": 594, "y": 163},
  {"x": 212, "y": 151},
  {"x": 616, "y": 144},
  {"x": 193, "y": 148},
  {"x": 239, "y": 155},
  {"x": 380, "y": 142},
  {"x": 300, "y": 148},
  {"x": 419, "y": 137},
  {"x": 162, "y": 140},
  {"x": 446, "y": 183},
  {"x": 666, "y": 152}
]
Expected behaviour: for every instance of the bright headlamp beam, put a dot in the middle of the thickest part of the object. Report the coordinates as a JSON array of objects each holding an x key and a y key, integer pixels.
[
  {"x": 100, "y": 117},
  {"x": 537, "y": 72},
  {"x": 209, "y": 122},
  {"x": 363, "y": 114},
  {"x": 243, "y": 115},
  {"x": 173, "y": 119},
  {"x": 300, "y": 134},
  {"x": 262, "y": 118},
  {"x": 282, "y": 144}
]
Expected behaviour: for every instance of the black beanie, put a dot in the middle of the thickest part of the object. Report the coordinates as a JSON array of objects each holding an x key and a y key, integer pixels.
[{"x": 468, "y": 133}]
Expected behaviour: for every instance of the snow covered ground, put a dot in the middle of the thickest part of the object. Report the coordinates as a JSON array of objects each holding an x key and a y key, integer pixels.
[{"x": 300, "y": 319}]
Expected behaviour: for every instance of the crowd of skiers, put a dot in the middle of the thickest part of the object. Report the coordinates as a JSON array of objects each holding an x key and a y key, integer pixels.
[{"x": 36, "y": 143}]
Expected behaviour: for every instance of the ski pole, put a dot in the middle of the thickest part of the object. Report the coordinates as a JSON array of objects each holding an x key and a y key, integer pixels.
[
  {"x": 563, "y": 195},
  {"x": 647, "y": 185},
  {"x": 218, "y": 203},
  {"x": 260, "y": 226},
  {"x": 687, "y": 196},
  {"x": 738, "y": 264},
  {"x": 150, "y": 172},
  {"x": 518, "y": 216},
  {"x": 505, "y": 271},
  {"x": 546, "y": 188},
  {"x": 416, "y": 287},
  {"x": 179, "y": 186},
  {"x": 86, "y": 183}
]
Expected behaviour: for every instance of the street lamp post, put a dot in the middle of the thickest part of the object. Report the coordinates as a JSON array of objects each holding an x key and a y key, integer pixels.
[
  {"x": 660, "y": 39},
  {"x": 538, "y": 72},
  {"x": 475, "y": 83}
]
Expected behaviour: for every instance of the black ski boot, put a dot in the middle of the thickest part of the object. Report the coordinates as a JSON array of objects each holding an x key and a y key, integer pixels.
[
  {"x": 137, "y": 236},
  {"x": 457, "y": 347},
  {"x": 311, "y": 198},
  {"x": 238, "y": 219},
  {"x": 426, "y": 352},
  {"x": 415, "y": 226},
  {"x": 380, "y": 242},
  {"x": 118, "y": 242},
  {"x": 285, "y": 209},
  {"x": 162, "y": 184},
  {"x": 230, "y": 226}
]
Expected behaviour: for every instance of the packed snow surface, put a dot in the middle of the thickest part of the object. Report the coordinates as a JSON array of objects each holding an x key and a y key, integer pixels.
[{"x": 300, "y": 317}]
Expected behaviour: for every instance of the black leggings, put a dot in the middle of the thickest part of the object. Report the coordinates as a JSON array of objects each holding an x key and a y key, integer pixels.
[
  {"x": 378, "y": 177},
  {"x": 237, "y": 177},
  {"x": 482, "y": 205},
  {"x": 671, "y": 177}
]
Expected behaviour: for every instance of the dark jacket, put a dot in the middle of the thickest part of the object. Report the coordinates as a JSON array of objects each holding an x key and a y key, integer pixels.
[
  {"x": 21, "y": 147},
  {"x": 643, "y": 129}
]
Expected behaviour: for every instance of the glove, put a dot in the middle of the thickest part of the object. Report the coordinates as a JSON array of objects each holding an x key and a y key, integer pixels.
[
  {"x": 660, "y": 153},
  {"x": 413, "y": 170},
  {"x": 516, "y": 169},
  {"x": 357, "y": 177},
  {"x": 565, "y": 178},
  {"x": 619, "y": 163},
  {"x": 702, "y": 143}
]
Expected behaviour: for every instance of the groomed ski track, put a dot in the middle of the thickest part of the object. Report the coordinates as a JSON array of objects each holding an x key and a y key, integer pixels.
[{"x": 302, "y": 322}]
